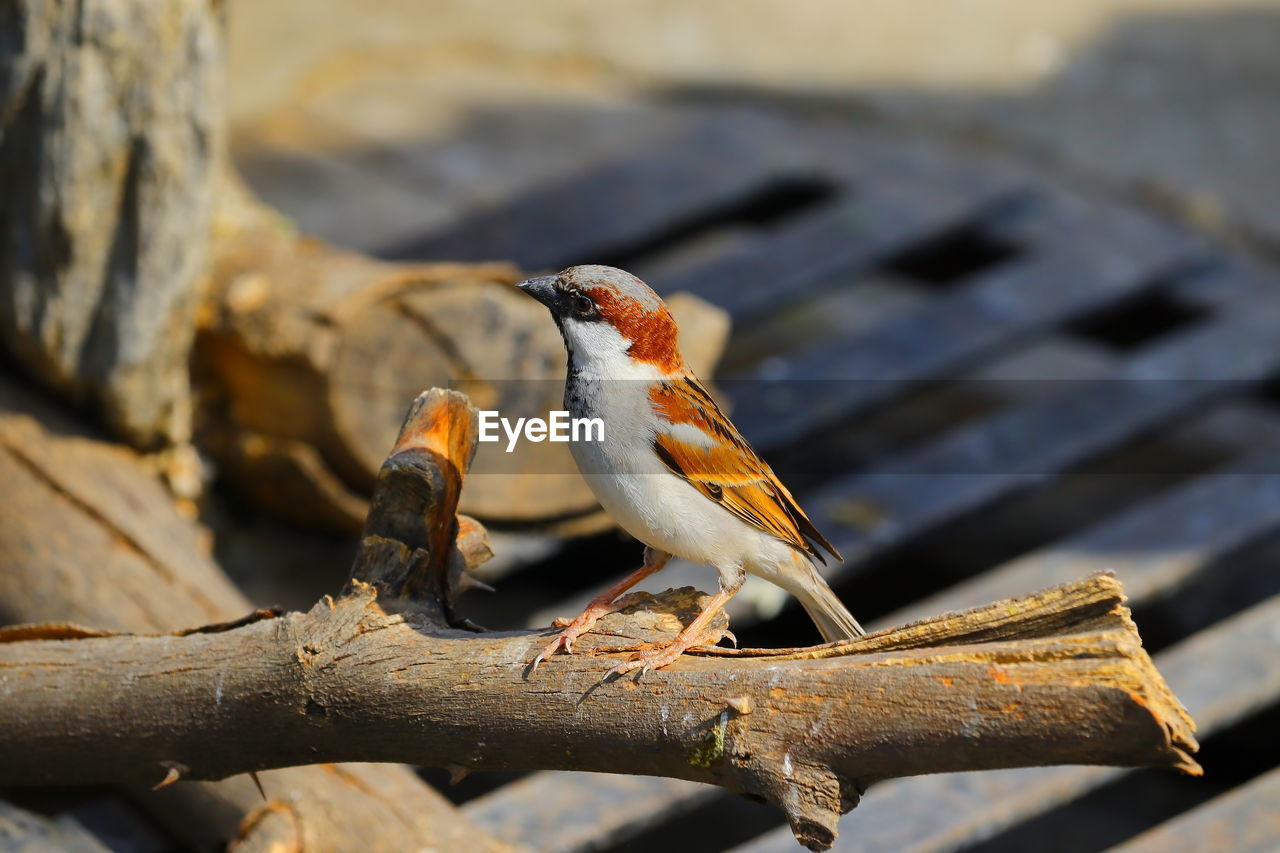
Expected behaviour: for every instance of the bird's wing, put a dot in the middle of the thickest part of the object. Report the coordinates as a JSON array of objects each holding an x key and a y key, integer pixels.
[{"x": 698, "y": 443}]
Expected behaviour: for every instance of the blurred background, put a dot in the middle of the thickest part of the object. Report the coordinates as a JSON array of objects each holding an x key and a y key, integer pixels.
[
  {"x": 450, "y": 105},
  {"x": 991, "y": 284}
]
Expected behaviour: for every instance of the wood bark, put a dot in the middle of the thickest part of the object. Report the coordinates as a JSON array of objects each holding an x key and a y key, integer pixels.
[
  {"x": 90, "y": 536},
  {"x": 380, "y": 674},
  {"x": 350, "y": 681},
  {"x": 307, "y": 353},
  {"x": 111, "y": 126}
]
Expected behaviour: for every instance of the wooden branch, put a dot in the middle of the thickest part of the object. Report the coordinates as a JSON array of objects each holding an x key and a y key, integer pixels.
[
  {"x": 1057, "y": 677},
  {"x": 808, "y": 732},
  {"x": 90, "y": 536}
]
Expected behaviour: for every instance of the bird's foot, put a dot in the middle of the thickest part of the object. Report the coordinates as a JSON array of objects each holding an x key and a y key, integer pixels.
[
  {"x": 657, "y": 658},
  {"x": 573, "y": 629}
]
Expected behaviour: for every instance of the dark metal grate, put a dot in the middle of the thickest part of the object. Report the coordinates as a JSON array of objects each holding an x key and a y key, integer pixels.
[{"x": 1107, "y": 344}]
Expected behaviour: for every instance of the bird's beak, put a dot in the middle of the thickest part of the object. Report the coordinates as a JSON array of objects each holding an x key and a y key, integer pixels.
[{"x": 542, "y": 288}]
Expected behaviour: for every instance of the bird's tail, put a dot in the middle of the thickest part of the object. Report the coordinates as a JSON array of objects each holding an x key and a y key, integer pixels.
[{"x": 833, "y": 619}]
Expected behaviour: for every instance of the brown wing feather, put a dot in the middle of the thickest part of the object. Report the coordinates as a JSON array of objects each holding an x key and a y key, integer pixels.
[{"x": 729, "y": 471}]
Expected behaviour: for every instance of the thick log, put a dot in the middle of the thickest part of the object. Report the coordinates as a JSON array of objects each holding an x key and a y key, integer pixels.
[
  {"x": 307, "y": 353},
  {"x": 90, "y": 536},
  {"x": 111, "y": 126},
  {"x": 1056, "y": 677}
]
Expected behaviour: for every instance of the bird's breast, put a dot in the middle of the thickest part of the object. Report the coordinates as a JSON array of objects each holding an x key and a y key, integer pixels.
[{"x": 641, "y": 494}]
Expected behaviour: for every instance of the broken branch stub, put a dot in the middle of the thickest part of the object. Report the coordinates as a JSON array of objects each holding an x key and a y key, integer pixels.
[{"x": 414, "y": 545}]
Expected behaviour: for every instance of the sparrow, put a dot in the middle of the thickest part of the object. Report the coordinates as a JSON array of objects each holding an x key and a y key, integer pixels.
[{"x": 671, "y": 469}]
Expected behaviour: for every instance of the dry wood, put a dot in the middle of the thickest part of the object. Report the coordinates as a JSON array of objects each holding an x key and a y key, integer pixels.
[
  {"x": 308, "y": 352},
  {"x": 350, "y": 681},
  {"x": 111, "y": 131},
  {"x": 1056, "y": 677},
  {"x": 90, "y": 536}
]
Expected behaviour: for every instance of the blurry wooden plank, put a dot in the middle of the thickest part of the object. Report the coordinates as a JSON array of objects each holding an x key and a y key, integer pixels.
[
  {"x": 1087, "y": 257},
  {"x": 1221, "y": 511},
  {"x": 1245, "y": 820},
  {"x": 713, "y": 173},
  {"x": 1239, "y": 280},
  {"x": 1219, "y": 683},
  {"x": 875, "y": 220},
  {"x": 1016, "y": 450},
  {"x": 843, "y": 311},
  {"x": 710, "y": 166},
  {"x": 574, "y": 810},
  {"x": 319, "y": 191},
  {"x": 22, "y": 831},
  {"x": 1153, "y": 548}
]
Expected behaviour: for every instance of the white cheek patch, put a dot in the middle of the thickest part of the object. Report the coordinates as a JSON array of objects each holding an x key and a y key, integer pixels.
[
  {"x": 594, "y": 338},
  {"x": 601, "y": 350}
]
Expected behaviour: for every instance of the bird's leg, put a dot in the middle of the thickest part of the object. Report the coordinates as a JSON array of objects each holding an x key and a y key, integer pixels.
[
  {"x": 602, "y": 605},
  {"x": 694, "y": 634}
]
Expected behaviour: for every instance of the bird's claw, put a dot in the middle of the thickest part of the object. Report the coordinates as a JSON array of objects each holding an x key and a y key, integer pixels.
[
  {"x": 651, "y": 659},
  {"x": 647, "y": 661},
  {"x": 549, "y": 650},
  {"x": 573, "y": 629}
]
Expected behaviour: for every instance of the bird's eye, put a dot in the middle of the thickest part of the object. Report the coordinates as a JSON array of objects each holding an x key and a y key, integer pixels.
[{"x": 582, "y": 304}]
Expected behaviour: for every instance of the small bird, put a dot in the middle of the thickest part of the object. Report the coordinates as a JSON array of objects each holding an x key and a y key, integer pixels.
[{"x": 671, "y": 469}]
